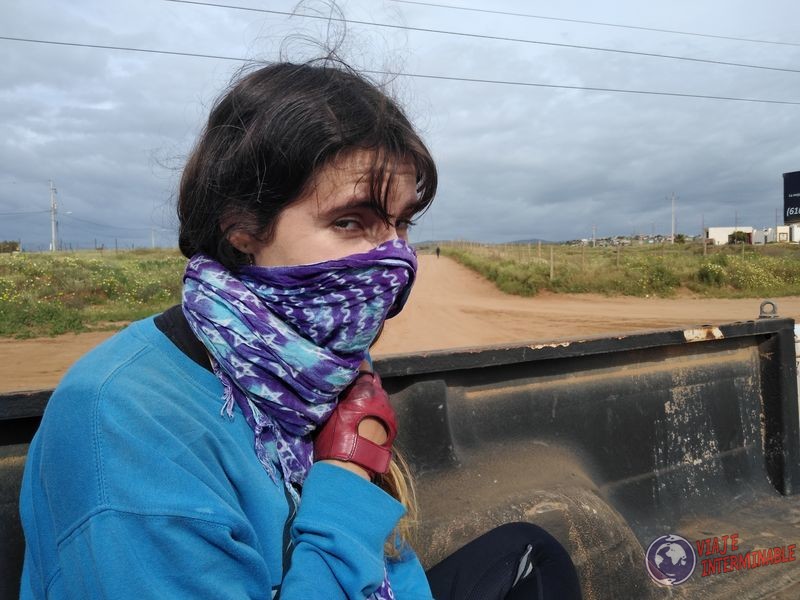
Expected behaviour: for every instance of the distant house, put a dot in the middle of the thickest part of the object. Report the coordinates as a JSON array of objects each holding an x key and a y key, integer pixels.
[
  {"x": 770, "y": 235},
  {"x": 722, "y": 235},
  {"x": 780, "y": 234}
]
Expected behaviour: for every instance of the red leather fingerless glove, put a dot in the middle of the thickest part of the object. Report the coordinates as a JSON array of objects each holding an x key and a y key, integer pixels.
[{"x": 339, "y": 439}]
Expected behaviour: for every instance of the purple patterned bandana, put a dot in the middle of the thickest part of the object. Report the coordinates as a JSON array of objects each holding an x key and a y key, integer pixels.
[{"x": 285, "y": 341}]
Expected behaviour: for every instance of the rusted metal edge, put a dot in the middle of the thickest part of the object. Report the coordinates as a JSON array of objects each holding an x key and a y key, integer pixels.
[
  {"x": 701, "y": 334},
  {"x": 489, "y": 356}
]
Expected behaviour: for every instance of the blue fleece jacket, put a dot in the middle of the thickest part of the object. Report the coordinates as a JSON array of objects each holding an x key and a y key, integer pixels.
[{"x": 136, "y": 487}]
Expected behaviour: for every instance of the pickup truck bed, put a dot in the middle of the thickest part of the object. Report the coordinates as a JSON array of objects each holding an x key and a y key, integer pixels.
[{"x": 609, "y": 443}]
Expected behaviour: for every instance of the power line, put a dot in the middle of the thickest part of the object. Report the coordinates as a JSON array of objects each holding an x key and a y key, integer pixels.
[
  {"x": 125, "y": 48},
  {"x": 589, "y": 88},
  {"x": 425, "y": 76},
  {"x": 601, "y": 23},
  {"x": 490, "y": 37},
  {"x": 106, "y": 225},
  {"x": 27, "y": 212}
]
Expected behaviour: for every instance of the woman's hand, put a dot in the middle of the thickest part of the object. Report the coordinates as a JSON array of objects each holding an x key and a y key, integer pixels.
[{"x": 359, "y": 434}]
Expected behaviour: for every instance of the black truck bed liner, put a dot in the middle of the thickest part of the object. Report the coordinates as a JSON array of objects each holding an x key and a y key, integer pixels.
[{"x": 608, "y": 443}]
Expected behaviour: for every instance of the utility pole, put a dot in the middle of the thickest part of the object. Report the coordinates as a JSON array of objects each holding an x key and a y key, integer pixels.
[
  {"x": 53, "y": 221},
  {"x": 672, "y": 237},
  {"x": 703, "y": 232}
]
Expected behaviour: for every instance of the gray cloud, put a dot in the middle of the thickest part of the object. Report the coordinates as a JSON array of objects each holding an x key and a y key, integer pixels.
[{"x": 111, "y": 128}]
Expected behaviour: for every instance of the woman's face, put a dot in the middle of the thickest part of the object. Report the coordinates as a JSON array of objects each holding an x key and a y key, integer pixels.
[{"x": 334, "y": 217}]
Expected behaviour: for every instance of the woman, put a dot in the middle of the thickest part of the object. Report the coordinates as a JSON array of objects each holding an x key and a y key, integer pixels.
[{"x": 294, "y": 212}]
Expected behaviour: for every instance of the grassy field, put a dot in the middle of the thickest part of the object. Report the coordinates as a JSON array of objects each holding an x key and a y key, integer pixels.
[
  {"x": 637, "y": 270},
  {"x": 48, "y": 294}
]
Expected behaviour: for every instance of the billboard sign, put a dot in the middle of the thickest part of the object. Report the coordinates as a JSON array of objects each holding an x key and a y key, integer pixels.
[{"x": 791, "y": 197}]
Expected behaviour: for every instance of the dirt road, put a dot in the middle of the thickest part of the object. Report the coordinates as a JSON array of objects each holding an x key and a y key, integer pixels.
[{"x": 450, "y": 307}]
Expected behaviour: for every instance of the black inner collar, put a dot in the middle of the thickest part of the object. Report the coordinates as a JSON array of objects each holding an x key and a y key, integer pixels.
[{"x": 172, "y": 323}]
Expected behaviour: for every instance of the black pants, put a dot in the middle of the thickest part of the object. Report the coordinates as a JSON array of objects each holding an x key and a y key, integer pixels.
[{"x": 516, "y": 561}]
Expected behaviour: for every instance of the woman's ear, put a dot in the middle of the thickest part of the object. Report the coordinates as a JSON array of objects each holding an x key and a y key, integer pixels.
[
  {"x": 239, "y": 239},
  {"x": 242, "y": 241}
]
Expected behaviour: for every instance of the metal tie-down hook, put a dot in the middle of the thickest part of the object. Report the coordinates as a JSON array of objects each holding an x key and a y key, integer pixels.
[{"x": 768, "y": 310}]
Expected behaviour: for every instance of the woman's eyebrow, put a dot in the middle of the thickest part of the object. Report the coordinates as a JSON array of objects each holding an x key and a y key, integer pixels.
[
  {"x": 356, "y": 204},
  {"x": 360, "y": 203}
]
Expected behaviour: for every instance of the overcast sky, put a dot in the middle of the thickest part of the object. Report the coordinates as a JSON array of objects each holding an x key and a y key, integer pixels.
[{"x": 112, "y": 128}]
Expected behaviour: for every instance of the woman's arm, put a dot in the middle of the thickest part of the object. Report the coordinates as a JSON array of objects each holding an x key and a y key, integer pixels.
[{"x": 340, "y": 530}]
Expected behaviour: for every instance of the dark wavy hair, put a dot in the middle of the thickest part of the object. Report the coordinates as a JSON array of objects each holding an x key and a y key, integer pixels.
[{"x": 270, "y": 133}]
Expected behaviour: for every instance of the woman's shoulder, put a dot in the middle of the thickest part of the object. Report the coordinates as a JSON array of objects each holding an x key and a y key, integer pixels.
[
  {"x": 139, "y": 361},
  {"x": 127, "y": 418},
  {"x": 125, "y": 347},
  {"x": 134, "y": 381}
]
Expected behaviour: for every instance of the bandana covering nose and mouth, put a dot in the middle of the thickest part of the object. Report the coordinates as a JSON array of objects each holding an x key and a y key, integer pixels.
[{"x": 285, "y": 341}]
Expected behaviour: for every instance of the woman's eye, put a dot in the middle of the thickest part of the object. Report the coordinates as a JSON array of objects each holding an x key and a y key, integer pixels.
[
  {"x": 404, "y": 224},
  {"x": 347, "y": 224}
]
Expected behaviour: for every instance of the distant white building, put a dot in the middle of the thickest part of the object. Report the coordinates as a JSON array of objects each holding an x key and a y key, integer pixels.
[
  {"x": 721, "y": 235},
  {"x": 781, "y": 234}
]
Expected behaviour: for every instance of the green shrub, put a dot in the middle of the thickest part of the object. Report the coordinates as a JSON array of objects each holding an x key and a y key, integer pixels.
[
  {"x": 644, "y": 270},
  {"x": 711, "y": 273},
  {"x": 745, "y": 274},
  {"x": 27, "y": 319},
  {"x": 720, "y": 259},
  {"x": 650, "y": 275},
  {"x": 509, "y": 276},
  {"x": 47, "y": 294}
]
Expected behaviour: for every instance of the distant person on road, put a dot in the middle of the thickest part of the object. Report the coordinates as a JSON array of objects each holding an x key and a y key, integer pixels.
[
  {"x": 239, "y": 445},
  {"x": 438, "y": 251}
]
